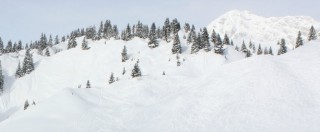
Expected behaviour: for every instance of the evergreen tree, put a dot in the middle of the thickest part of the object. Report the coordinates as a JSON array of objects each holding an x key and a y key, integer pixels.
[
  {"x": 47, "y": 52},
  {"x": 63, "y": 39},
  {"x": 270, "y": 51},
  {"x": 248, "y": 54},
  {"x": 1, "y": 79},
  {"x": 111, "y": 80},
  {"x": 253, "y": 48},
  {"x": 19, "y": 47},
  {"x": 175, "y": 26},
  {"x": 124, "y": 54},
  {"x": 243, "y": 47},
  {"x": 186, "y": 27},
  {"x": 218, "y": 46},
  {"x": 265, "y": 51},
  {"x": 213, "y": 37},
  {"x": 152, "y": 37},
  {"x": 72, "y": 43},
  {"x": 19, "y": 72},
  {"x": 26, "y": 105},
  {"x": 128, "y": 35},
  {"x": 231, "y": 43},
  {"x": 205, "y": 40},
  {"x": 195, "y": 44},
  {"x": 226, "y": 40},
  {"x": 56, "y": 40},
  {"x": 28, "y": 66},
  {"x": 1, "y": 46},
  {"x": 166, "y": 30},
  {"x": 190, "y": 37},
  {"x": 250, "y": 45},
  {"x": 50, "y": 42},
  {"x": 237, "y": 48},
  {"x": 176, "y": 48},
  {"x": 283, "y": 47},
  {"x": 299, "y": 41},
  {"x": 115, "y": 32},
  {"x": 259, "y": 52},
  {"x": 124, "y": 71},
  {"x": 84, "y": 45},
  {"x": 88, "y": 85},
  {"x": 9, "y": 47},
  {"x": 136, "y": 72},
  {"x": 312, "y": 34}
]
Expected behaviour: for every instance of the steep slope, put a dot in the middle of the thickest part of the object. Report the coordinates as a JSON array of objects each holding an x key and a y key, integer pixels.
[
  {"x": 243, "y": 25},
  {"x": 206, "y": 93}
]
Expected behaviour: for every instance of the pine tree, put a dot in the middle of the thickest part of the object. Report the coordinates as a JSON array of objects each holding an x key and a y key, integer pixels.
[
  {"x": 213, "y": 37},
  {"x": 152, "y": 37},
  {"x": 312, "y": 34},
  {"x": 26, "y": 105},
  {"x": 56, "y": 40},
  {"x": 226, "y": 40},
  {"x": 283, "y": 48},
  {"x": 270, "y": 51},
  {"x": 1, "y": 46},
  {"x": 237, "y": 48},
  {"x": 1, "y": 79},
  {"x": 72, "y": 43},
  {"x": 88, "y": 85},
  {"x": 128, "y": 35},
  {"x": 259, "y": 52},
  {"x": 299, "y": 41},
  {"x": 218, "y": 46},
  {"x": 28, "y": 66},
  {"x": 253, "y": 48},
  {"x": 231, "y": 43},
  {"x": 50, "y": 42},
  {"x": 124, "y": 54},
  {"x": 265, "y": 51},
  {"x": 47, "y": 52},
  {"x": 250, "y": 45},
  {"x": 248, "y": 54},
  {"x": 9, "y": 47},
  {"x": 111, "y": 80},
  {"x": 186, "y": 27},
  {"x": 136, "y": 72},
  {"x": 176, "y": 48},
  {"x": 243, "y": 47},
  {"x": 166, "y": 30},
  {"x": 195, "y": 45},
  {"x": 84, "y": 45},
  {"x": 19, "y": 72},
  {"x": 19, "y": 47},
  {"x": 190, "y": 37},
  {"x": 205, "y": 40}
]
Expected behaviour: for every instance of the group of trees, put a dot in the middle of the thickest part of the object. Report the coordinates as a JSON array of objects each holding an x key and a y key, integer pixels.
[{"x": 27, "y": 66}]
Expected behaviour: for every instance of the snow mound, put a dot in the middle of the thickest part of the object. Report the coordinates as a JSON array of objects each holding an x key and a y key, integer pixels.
[{"x": 244, "y": 25}]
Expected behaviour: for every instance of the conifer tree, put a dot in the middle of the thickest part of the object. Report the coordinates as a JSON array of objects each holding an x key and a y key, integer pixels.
[
  {"x": 253, "y": 48},
  {"x": 205, "y": 40},
  {"x": 299, "y": 41},
  {"x": 213, "y": 37},
  {"x": 124, "y": 54},
  {"x": 19, "y": 47},
  {"x": 72, "y": 43},
  {"x": 1, "y": 79},
  {"x": 237, "y": 48},
  {"x": 136, "y": 72},
  {"x": 152, "y": 37},
  {"x": 50, "y": 42},
  {"x": 259, "y": 52},
  {"x": 124, "y": 71},
  {"x": 270, "y": 51},
  {"x": 195, "y": 45},
  {"x": 265, "y": 51},
  {"x": 218, "y": 46},
  {"x": 312, "y": 34},
  {"x": 47, "y": 53},
  {"x": 128, "y": 35},
  {"x": 1, "y": 46},
  {"x": 231, "y": 43},
  {"x": 283, "y": 47},
  {"x": 190, "y": 37},
  {"x": 84, "y": 45},
  {"x": 26, "y": 105},
  {"x": 248, "y": 54},
  {"x": 19, "y": 72},
  {"x": 88, "y": 85},
  {"x": 28, "y": 66},
  {"x": 166, "y": 30},
  {"x": 9, "y": 47},
  {"x": 176, "y": 48},
  {"x": 111, "y": 80},
  {"x": 243, "y": 47},
  {"x": 226, "y": 40},
  {"x": 186, "y": 27},
  {"x": 56, "y": 40}
]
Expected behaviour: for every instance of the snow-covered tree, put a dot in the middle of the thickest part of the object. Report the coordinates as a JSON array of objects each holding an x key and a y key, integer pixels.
[
  {"x": 136, "y": 72},
  {"x": 283, "y": 47},
  {"x": 248, "y": 54},
  {"x": 166, "y": 30},
  {"x": 226, "y": 40},
  {"x": 270, "y": 51},
  {"x": 176, "y": 47},
  {"x": 28, "y": 66},
  {"x": 88, "y": 85},
  {"x": 56, "y": 40},
  {"x": 195, "y": 44},
  {"x": 1, "y": 79},
  {"x": 259, "y": 52},
  {"x": 128, "y": 35},
  {"x": 243, "y": 47},
  {"x": 237, "y": 48},
  {"x": 84, "y": 45},
  {"x": 26, "y": 105},
  {"x": 47, "y": 53},
  {"x": 72, "y": 43},
  {"x": 152, "y": 37},
  {"x": 251, "y": 45},
  {"x": 213, "y": 37},
  {"x": 205, "y": 40},
  {"x": 111, "y": 80},
  {"x": 265, "y": 51},
  {"x": 312, "y": 34},
  {"x": 218, "y": 46},
  {"x": 124, "y": 71},
  {"x": 1, "y": 46},
  {"x": 299, "y": 41},
  {"x": 124, "y": 54},
  {"x": 253, "y": 48},
  {"x": 19, "y": 72},
  {"x": 187, "y": 27},
  {"x": 9, "y": 47}
]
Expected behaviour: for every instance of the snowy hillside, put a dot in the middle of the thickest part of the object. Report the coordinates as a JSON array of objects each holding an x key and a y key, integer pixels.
[
  {"x": 244, "y": 25},
  {"x": 206, "y": 92}
]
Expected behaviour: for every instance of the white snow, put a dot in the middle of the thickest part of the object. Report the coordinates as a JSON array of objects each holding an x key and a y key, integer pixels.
[{"x": 208, "y": 92}]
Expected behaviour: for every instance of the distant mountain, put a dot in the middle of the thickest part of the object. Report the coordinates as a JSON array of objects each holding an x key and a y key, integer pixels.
[{"x": 244, "y": 25}]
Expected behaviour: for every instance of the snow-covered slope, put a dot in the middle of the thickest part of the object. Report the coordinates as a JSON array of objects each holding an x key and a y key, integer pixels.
[{"x": 243, "y": 25}]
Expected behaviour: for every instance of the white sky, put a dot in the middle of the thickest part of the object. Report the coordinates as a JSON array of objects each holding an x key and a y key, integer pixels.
[{"x": 26, "y": 19}]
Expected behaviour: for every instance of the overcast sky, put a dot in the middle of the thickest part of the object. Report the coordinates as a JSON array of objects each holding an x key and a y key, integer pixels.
[{"x": 26, "y": 19}]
